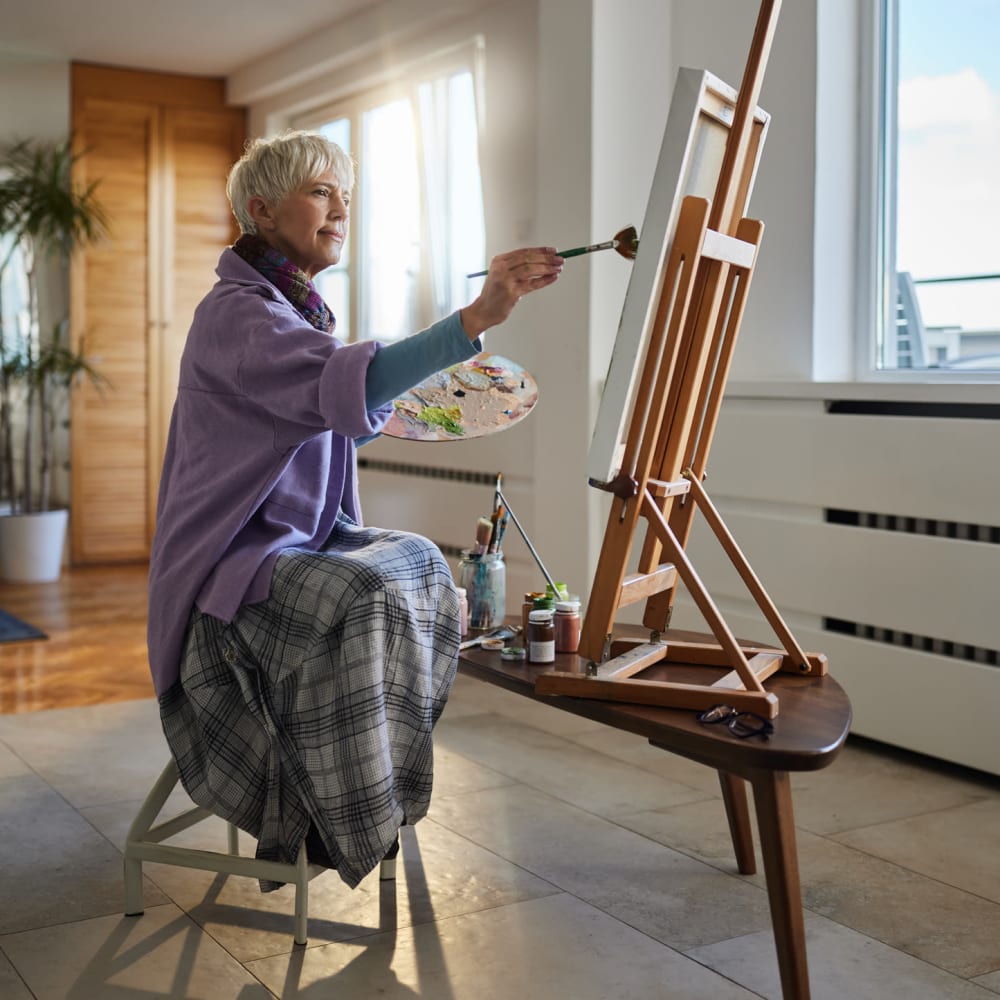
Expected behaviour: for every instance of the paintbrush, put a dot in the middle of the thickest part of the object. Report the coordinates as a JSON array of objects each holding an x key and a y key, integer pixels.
[
  {"x": 497, "y": 518},
  {"x": 625, "y": 242},
  {"x": 502, "y": 527},
  {"x": 484, "y": 530}
]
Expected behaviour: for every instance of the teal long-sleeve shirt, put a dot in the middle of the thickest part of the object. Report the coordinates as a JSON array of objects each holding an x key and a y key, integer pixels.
[{"x": 402, "y": 365}]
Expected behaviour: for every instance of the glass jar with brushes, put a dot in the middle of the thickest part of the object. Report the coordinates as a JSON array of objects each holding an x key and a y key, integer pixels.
[{"x": 484, "y": 577}]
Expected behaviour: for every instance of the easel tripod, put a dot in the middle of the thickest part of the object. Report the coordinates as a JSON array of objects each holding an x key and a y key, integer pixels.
[{"x": 700, "y": 299}]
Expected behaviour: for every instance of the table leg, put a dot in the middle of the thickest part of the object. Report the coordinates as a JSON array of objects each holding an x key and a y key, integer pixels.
[
  {"x": 776, "y": 825},
  {"x": 734, "y": 795}
]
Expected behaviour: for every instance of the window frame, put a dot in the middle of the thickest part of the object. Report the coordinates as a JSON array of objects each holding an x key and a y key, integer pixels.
[{"x": 875, "y": 280}]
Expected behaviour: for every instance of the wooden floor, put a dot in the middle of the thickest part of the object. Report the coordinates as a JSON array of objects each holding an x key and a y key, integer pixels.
[{"x": 95, "y": 619}]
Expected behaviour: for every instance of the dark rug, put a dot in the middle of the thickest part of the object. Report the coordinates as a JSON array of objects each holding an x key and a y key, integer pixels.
[{"x": 13, "y": 629}]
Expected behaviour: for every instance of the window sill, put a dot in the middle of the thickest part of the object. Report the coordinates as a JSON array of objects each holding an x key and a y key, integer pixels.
[{"x": 903, "y": 388}]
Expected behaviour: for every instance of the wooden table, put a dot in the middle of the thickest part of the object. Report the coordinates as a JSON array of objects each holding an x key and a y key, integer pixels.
[{"x": 813, "y": 722}]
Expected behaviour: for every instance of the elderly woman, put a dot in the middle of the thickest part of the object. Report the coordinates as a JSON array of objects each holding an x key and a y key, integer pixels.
[{"x": 301, "y": 660}]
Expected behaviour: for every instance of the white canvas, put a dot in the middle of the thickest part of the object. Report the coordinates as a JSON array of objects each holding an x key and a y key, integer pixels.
[{"x": 690, "y": 160}]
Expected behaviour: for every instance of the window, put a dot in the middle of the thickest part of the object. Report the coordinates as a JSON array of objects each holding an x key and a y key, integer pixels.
[
  {"x": 940, "y": 196},
  {"x": 15, "y": 322},
  {"x": 417, "y": 225}
]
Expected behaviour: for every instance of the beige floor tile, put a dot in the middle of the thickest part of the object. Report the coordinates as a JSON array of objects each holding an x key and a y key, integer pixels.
[
  {"x": 949, "y": 928},
  {"x": 842, "y": 964},
  {"x": 671, "y": 897},
  {"x": 102, "y": 753},
  {"x": 545, "y": 949},
  {"x": 956, "y": 846},
  {"x": 895, "y": 786},
  {"x": 11, "y": 984},
  {"x": 639, "y": 751},
  {"x": 559, "y": 767},
  {"x": 56, "y": 866},
  {"x": 456, "y": 775},
  {"x": 955, "y": 930},
  {"x": 161, "y": 954},
  {"x": 990, "y": 981},
  {"x": 10, "y": 764},
  {"x": 698, "y": 829},
  {"x": 440, "y": 874},
  {"x": 475, "y": 697}
]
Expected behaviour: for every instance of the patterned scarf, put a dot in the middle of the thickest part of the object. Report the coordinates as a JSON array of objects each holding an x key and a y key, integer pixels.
[{"x": 288, "y": 279}]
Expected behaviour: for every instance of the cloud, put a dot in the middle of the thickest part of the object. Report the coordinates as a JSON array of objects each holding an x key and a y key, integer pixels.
[
  {"x": 959, "y": 99},
  {"x": 948, "y": 197}
]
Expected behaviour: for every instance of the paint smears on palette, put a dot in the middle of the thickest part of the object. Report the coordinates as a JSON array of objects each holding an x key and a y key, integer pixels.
[{"x": 484, "y": 395}]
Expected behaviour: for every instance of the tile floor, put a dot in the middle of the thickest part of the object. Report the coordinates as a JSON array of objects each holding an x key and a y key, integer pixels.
[{"x": 560, "y": 861}]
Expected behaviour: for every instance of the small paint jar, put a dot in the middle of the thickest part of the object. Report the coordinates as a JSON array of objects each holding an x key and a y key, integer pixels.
[
  {"x": 561, "y": 593},
  {"x": 528, "y": 605},
  {"x": 567, "y": 626},
  {"x": 463, "y": 608},
  {"x": 484, "y": 578},
  {"x": 541, "y": 637}
]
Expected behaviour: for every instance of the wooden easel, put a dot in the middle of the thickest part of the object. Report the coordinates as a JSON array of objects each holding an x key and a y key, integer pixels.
[{"x": 701, "y": 297}]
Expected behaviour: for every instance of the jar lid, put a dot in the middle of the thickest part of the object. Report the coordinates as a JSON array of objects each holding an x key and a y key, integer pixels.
[
  {"x": 540, "y": 615},
  {"x": 544, "y": 604},
  {"x": 570, "y": 606}
]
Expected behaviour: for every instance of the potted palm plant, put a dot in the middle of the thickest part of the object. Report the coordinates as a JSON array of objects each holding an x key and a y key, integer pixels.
[{"x": 43, "y": 217}]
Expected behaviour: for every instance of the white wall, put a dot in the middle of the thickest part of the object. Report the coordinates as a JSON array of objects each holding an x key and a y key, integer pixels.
[{"x": 36, "y": 98}]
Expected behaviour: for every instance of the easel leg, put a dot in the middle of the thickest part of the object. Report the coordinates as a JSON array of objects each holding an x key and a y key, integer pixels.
[
  {"x": 734, "y": 795},
  {"x": 775, "y": 822}
]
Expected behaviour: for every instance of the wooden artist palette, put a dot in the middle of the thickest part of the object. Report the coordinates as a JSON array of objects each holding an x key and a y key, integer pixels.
[{"x": 481, "y": 396}]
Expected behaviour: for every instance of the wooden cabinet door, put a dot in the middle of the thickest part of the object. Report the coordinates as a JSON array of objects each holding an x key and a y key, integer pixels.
[
  {"x": 198, "y": 149},
  {"x": 111, "y": 309},
  {"x": 162, "y": 156}
]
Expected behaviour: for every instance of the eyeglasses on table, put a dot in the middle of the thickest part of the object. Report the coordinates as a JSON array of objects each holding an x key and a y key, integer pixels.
[{"x": 740, "y": 724}]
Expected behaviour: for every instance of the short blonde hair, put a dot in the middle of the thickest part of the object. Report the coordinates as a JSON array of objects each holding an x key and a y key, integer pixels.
[{"x": 273, "y": 168}]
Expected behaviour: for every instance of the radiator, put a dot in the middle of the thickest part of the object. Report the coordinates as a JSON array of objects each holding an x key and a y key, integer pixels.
[{"x": 875, "y": 528}]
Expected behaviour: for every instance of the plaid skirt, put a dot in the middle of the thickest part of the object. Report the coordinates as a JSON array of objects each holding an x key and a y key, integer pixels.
[{"x": 311, "y": 712}]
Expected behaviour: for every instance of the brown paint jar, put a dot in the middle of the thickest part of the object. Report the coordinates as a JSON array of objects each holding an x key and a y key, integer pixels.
[
  {"x": 541, "y": 644},
  {"x": 567, "y": 626},
  {"x": 527, "y": 607}
]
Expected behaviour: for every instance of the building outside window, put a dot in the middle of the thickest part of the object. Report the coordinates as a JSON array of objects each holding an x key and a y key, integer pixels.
[{"x": 940, "y": 195}]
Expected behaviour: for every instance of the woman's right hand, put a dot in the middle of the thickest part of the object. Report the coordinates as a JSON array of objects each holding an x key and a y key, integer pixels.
[{"x": 511, "y": 275}]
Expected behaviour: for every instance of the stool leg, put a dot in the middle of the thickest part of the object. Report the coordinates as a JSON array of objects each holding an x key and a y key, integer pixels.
[
  {"x": 133, "y": 888},
  {"x": 734, "y": 795},
  {"x": 232, "y": 838},
  {"x": 301, "y": 895},
  {"x": 776, "y": 825},
  {"x": 144, "y": 819},
  {"x": 387, "y": 868}
]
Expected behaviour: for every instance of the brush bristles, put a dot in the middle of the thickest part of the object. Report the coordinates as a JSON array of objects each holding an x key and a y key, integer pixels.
[{"x": 627, "y": 242}]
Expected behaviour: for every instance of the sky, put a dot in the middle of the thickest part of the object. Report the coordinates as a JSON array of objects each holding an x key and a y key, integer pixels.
[{"x": 949, "y": 155}]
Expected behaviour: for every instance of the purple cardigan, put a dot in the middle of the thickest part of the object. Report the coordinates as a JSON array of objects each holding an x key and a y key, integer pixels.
[{"x": 251, "y": 467}]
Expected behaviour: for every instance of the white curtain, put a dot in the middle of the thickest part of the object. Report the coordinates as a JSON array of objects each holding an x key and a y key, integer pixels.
[{"x": 454, "y": 236}]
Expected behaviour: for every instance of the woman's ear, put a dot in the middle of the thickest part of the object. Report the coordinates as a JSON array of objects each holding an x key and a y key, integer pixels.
[{"x": 260, "y": 212}]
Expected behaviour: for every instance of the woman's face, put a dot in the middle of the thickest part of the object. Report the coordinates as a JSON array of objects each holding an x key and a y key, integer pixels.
[{"x": 309, "y": 225}]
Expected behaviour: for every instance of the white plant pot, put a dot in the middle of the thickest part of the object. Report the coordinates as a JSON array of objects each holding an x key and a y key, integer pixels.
[{"x": 31, "y": 546}]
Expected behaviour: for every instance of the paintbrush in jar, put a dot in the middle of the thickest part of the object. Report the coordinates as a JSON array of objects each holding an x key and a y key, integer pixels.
[{"x": 484, "y": 531}]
